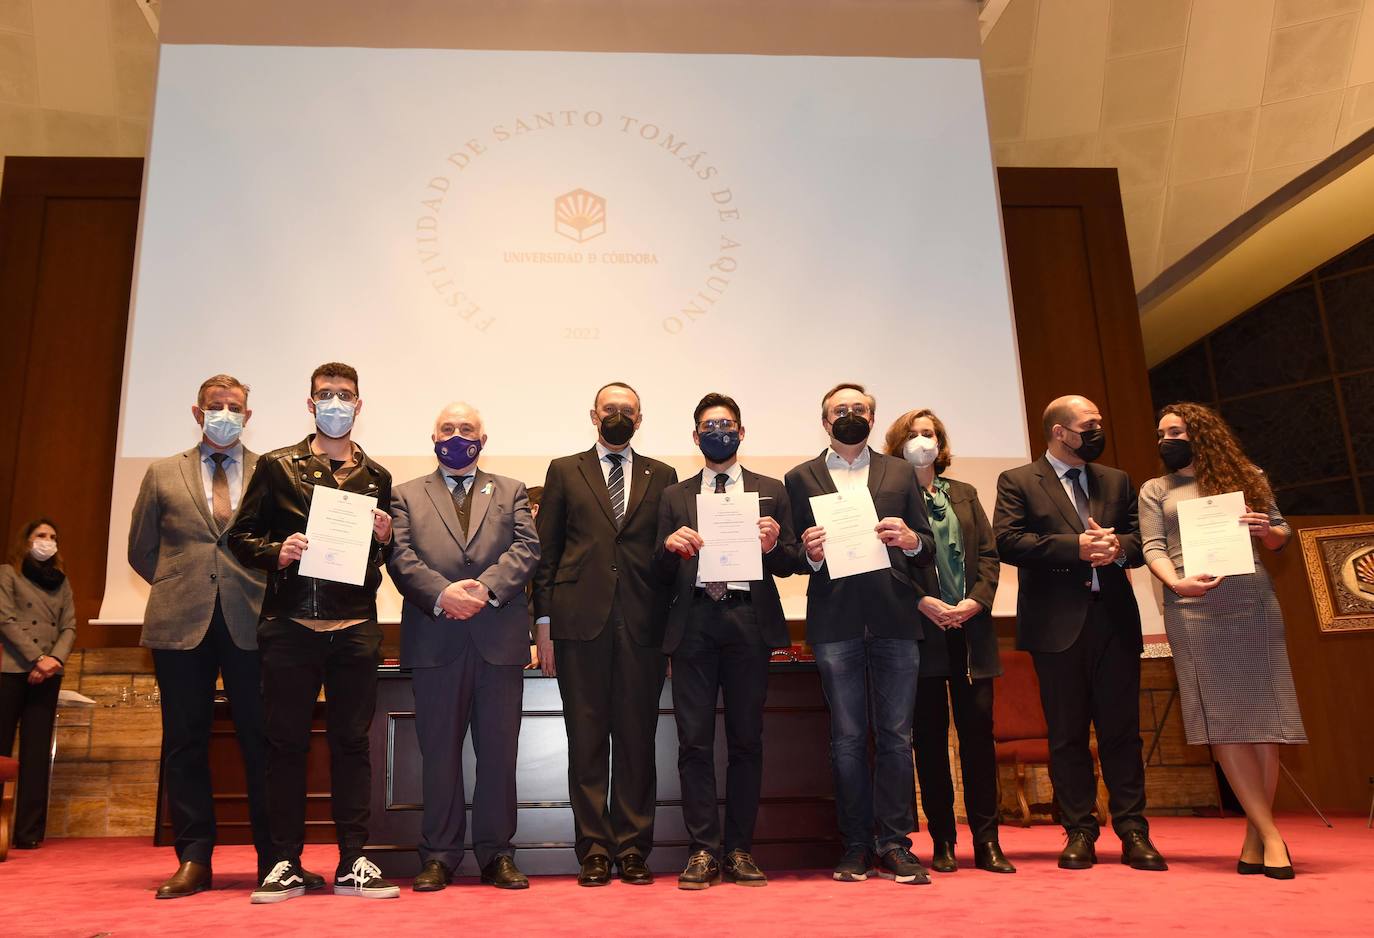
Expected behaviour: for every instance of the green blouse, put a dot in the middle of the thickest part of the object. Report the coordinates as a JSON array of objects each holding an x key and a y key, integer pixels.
[{"x": 949, "y": 543}]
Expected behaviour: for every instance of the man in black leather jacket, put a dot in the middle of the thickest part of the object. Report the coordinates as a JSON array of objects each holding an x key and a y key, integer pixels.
[{"x": 316, "y": 632}]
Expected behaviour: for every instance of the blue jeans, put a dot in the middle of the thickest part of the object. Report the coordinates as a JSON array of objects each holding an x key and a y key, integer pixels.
[{"x": 871, "y": 683}]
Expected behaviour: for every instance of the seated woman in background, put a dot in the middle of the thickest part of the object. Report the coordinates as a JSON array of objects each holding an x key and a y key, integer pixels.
[
  {"x": 37, "y": 630},
  {"x": 959, "y": 656},
  {"x": 1226, "y": 632}
]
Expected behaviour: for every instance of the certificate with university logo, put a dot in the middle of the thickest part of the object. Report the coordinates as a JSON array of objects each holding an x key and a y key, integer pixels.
[
  {"x": 338, "y": 532},
  {"x": 1212, "y": 536},
  {"x": 851, "y": 539}
]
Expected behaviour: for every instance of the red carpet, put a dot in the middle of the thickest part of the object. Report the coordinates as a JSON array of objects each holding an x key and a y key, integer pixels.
[{"x": 104, "y": 887}]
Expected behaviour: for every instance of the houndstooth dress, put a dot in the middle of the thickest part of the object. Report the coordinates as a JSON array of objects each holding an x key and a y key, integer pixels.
[{"x": 1228, "y": 646}]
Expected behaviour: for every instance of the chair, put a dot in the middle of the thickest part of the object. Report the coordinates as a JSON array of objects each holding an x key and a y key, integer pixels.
[
  {"x": 1019, "y": 730},
  {"x": 9, "y": 771}
]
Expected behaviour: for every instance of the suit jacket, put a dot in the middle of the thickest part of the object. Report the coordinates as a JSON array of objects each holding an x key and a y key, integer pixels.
[
  {"x": 587, "y": 563},
  {"x": 1037, "y": 529},
  {"x": 883, "y": 600},
  {"x": 981, "y": 571},
  {"x": 33, "y": 621},
  {"x": 679, "y": 507},
  {"x": 430, "y": 551},
  {"x": 174, "y": 546}
]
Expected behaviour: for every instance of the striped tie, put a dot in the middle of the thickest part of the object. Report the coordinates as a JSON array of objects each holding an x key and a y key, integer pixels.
[
  {"x": 717, "y": 590},
  {"x": 615, "y": 487}
]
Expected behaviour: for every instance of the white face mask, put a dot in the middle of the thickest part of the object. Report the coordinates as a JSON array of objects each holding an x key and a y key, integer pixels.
[
  {"x": 43, "y": 548},
  {"x": 921, "y": 451},
  {"x": 222, "y": 427},
  {"x": 334, "y": 417}
]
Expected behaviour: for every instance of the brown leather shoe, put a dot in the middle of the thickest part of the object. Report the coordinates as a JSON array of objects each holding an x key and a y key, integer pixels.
[{"x": 189, "y": 879}]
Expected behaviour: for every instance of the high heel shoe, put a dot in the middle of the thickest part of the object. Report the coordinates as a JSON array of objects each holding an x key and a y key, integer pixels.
[
  {"x": 1249, "y": 869},
  {"x": 1281, "y": 872}
]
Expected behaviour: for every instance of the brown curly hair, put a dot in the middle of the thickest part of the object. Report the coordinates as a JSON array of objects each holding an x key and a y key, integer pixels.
[
  {"x": 900, "y": 432},
  {"x": 1219, "y": 463}
]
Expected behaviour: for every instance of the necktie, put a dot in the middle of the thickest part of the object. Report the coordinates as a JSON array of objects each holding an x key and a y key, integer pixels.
[
  {"x": 1080, "y": 499},
  {"x": 219, "y": 492},
  {"x": 615, "y": 487},
  {"x": 717, "y": 590},
  {"x": 461, "y": 502}
]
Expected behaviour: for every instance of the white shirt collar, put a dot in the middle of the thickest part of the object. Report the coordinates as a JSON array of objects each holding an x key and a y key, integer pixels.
[
  {"x": 627, "y": 453},
  {"x": 708, "y": 478},
  {"x": 1062, "y": 467},
  {"x": 835, "y": 461}
]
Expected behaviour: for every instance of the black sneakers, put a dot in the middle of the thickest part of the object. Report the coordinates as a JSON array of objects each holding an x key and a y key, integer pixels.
[
  {"x": 284, "y": 881},
  {"x": 853, "y": 866},
  {"x": 900, "y": 865},
  {"x": 362, "y": 878}
]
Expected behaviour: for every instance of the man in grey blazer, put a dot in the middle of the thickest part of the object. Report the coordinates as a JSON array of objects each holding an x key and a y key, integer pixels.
[
  {"x": 465, "y": 548},
  {"x": 201, "y": 622}
]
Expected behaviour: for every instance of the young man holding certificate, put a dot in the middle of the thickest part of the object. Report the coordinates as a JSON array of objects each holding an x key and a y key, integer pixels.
[
  {"x": 864, "y": 533},
  {"x": 723, "y": 535},
  {"x": 323, "y": 558}
]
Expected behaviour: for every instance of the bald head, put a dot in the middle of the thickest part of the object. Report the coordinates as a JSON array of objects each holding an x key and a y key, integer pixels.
[
  {"x": 459, "y": 419},
  {"x": 1071, "y": 412}
]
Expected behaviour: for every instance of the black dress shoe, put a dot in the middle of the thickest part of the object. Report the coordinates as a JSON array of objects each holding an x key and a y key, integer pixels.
[
  {"x": 1139, "y": 854},
  {"x": 989, "y": 856},
  {"x": 1078, "y": 853},
  {"x": 502, "y": 873},
  {"x": 433, "y": 876},
  {"x": 1249, "y": 869},
  {"x": 596, "y": 871},
  {"x": 1281, "y": 872},
  {"x": 740, "y": 868},
  {"x": 633, "y": 870},
  {"x": 189, "y": 879},
  {"x": 942, "y": 857},
  {"x": 26, "y": 844},
  {"x": 702, "y": 872}
]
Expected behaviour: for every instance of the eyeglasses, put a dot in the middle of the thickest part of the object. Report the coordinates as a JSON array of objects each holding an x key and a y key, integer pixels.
[
  {"x": 844, "y": 410},
  {"x": 325, "y": 394},
  {"x": 711, "y": 426}
]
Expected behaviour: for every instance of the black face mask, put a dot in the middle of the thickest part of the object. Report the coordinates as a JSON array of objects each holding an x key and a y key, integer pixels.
[
  {"x": 616, "y": 429},
  {"x": 1091, "y": 444},
  {"x": 1176, "y": 454},
  {"x": 851, "y": 429}
]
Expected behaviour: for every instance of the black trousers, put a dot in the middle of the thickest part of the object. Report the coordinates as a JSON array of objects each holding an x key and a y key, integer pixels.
[
  {"x": 1096, "y": 681},
  {"x": 972, "y": 704},
  {"x": 296, "y": 662},
  {"x": 32, "y": 708},
  {"x": 610, "y": 687},
  {"x": 186, "y": 682},
  {"x": 722, "y": 653},
  {"x": 468, "y": 691}
]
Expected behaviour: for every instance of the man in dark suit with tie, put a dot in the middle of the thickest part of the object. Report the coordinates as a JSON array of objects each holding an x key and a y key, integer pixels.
[
  {"x": 465, "y": 548},
  {"x": 864, "y": 630},
  {"x": 600, "y": 612},
  {"x": 720, "y": 636},
  {"x": 1069, "y": 527},
  {"x": 201, "y": 622}
]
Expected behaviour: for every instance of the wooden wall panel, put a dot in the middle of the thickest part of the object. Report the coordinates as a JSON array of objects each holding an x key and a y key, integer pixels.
[{"x": 67, "y": 233}]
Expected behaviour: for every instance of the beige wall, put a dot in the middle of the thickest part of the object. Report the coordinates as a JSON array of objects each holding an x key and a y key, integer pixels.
[
  {"x": 76, "y": 78},
  {"x": 1204, "y": 106}
]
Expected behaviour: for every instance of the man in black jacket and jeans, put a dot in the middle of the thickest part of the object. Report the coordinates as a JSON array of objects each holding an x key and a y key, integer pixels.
[{"x": 316, "y": 632}]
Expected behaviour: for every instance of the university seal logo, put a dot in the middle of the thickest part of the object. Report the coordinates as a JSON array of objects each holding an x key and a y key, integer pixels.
[{"x": 579, "y": 215}]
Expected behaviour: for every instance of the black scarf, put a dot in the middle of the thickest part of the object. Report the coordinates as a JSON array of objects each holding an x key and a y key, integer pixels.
[{"x": 43, "y": 573}]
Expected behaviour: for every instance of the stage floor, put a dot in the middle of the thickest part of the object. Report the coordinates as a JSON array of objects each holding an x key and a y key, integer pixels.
[{"x": 105, "y": 887}]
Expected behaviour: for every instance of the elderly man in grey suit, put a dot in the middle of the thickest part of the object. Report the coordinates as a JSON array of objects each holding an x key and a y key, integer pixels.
[
  {"x": 201, "y": 622},
  {"x": 465, "y": 548}
]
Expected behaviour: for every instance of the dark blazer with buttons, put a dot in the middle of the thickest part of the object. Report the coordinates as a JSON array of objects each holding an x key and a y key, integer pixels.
[
  {"x": 884, "y": 601},
  {"x": 678, "y": 508},
  {"x": 33, "y": 622},
  {"x": 587, "y": 563},
  {"x": 174, "y": 546},
  {"x": 981, "y": 571},
  {"x": 1037, "y": 529},
  {"x": 431, "y": 551}
]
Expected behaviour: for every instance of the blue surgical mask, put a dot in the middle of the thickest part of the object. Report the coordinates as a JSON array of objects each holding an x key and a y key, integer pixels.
[
  {"x": 458, "y": 452},
  {"x": 222, "y": 427},
  {"x": 718, "y": 445},
  {"x": 334, "y": 417}
]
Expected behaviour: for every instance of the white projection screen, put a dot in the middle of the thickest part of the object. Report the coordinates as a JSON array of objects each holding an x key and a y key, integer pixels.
[{"x": 514, "y": 213}]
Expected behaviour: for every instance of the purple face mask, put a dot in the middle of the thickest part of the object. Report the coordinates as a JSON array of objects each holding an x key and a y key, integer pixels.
[{"x": 457, "y": 452}]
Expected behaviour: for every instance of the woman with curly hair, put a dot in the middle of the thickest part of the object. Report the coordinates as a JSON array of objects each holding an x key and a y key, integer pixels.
[{"x": 1226, "y": 632}]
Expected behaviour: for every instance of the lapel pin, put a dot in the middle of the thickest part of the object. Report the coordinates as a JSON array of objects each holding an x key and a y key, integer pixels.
[
  {"x": 486, "y": 489},
  {"x": 318, "y": 473}
]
